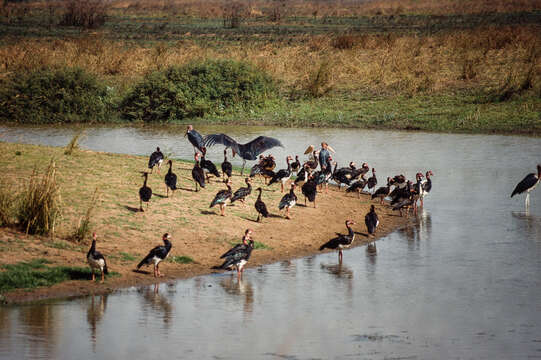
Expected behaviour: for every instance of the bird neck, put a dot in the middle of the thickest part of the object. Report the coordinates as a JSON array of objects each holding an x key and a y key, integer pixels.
[
  {"x": 350, "y": 230},
  {"x": 167, "y": 244},
  {"x": 259, "y": 196},
  {"x": 145, "y": 182}
]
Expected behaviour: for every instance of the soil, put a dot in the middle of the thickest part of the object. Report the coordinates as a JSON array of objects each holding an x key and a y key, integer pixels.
[{"x": 203, "y": 234}]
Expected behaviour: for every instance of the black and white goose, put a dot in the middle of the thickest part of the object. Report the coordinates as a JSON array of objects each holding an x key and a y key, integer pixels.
[
  {"x": 302, "y": 175},
  {"x": 260, "y": 206},
  {"x": 371, "y": 221},
  {"x": 357, "y": 187},
  {"x": 288, "y": 201},
  {"x": 221, "y": 198},
  {"x": 383, "y": 191},
  {"x": 309, "y": 190},
  {"x": 372, "y": 180},
  {"x": 198, "y": 174},
  {"x": 282, "y": 175},
  {"x": 342, "y": 176},
  {"x": 296, "y": 165},
  {"x": 195, "y": 139},
  {"x": 243, "y": 192},
  {"x": 145, "y": 193},
  {"x": 528, "y": 184},
  {"x": 157, "y": 255},
  {"x": 156, "y": 159},
  {"x": 208, "y": 166},
  {"x": 227, "y": 168},
  {"x": 238, "y": 256},
  {"x": 170, "y": 179},
  {"x": 96, "y": 260},
  {"x": 341, "y": 241},
  {"x": 426, "y": 187}
]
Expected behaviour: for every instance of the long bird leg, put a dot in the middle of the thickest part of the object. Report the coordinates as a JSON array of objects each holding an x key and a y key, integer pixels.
[
  {"x": 102, "y": 276},
  {"x": 340, "y": 256},
  {"x": 222, "y": 209},
  {"x": 287, "y": 213},
  {"x": 258, "y": 217},
  {"x": 93, "y": 275},
  {"x": 141, "y": 205},
  {"x": 527, "y": 201},
  {"x": 314, "y": 203},
  {"x": 305, "y": 201},
  {"x": 243, "y": 164}
]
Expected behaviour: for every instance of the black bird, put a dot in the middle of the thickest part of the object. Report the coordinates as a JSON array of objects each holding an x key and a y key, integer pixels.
[
  {"x": 260, "y": 207},
  {"x": 227, "y": 168},
  {"x": 156, "y": 158},
  {"x": 356, "y": 173},
  {"x": 309, "y": 190},
  {"x": 221, "y": 198},
  {"x": 342, "y": 176},
  {"x": 238, "y": 256},
  {"x": 341, "y": 241},
  {"x": 198, "y": 174},
  {"x": 288, "y": 201},
  {"x": 303, "y": 174},
  {"x": 528, "y": 184},
  {"x": 248, "y": 151},
  {"x": 282, "y": 175},
  {"x": 426, "y": 186},
  {"x": 170, "y": 179},
  {"x": 400, "y": 193},
  {"x": 195, "y": 139},
  {"x": 296, "y": 165},
  {"x": 208, "y": 166},
  {"x": 145, "y": 193},
  {"x": 405, "y": 204},
  {"x": 357, "y": 187},
  {"x": 96, "y": 260},
  {"x": 243, "y": 245},
  {"x": 243, "y": 192},
  {"x": 313, "y": 162},
  {"x": 372, "y": 180},
  {"x": 383, "y": 191},
  {"x": 157, "y": 255},
  {"x": 371, "y": 220}
]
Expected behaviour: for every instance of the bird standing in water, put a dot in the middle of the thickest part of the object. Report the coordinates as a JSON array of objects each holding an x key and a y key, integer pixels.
[
  {"x": 238, "y": 256},
  {"x": 341, "y": 241},
  {"x": 96, "y": 260},
  {"x": 157, "y": 255},
  {"x": 371, "y": 221},
  {"x": 528, "y": 184}
]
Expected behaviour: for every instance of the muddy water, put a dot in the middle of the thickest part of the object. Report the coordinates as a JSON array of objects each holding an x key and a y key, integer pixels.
[{"x": 462, "y": 281}]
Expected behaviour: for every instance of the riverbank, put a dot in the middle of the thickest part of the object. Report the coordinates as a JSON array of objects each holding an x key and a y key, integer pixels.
[{"x": 125, "y": 235}]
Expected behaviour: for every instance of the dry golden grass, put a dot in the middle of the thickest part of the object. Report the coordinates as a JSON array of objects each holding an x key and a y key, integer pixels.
[{"x": 378, "y": 63}]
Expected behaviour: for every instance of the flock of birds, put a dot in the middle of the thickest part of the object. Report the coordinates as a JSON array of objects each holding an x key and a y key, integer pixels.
[{"x": 404, "y": 194}]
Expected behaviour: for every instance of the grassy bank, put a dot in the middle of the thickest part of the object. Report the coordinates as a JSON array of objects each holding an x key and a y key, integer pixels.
[
  {"x": 452, "y": 66},
  {"x": 125, "y": 235}
]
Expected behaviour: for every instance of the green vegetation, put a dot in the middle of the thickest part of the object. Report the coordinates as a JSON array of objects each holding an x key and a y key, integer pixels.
[
  {"x": 35, "y": 273},
  {"x": 83, "y": 228},
  {"x": 39, "y": 204},
  {"x": 182, "y": 259},
  {"x": 196, "y": 90},
  {"x": 64, "y": 95},
  {"x": 124, "y": 256},
  {"x": 261, "y": 246}
]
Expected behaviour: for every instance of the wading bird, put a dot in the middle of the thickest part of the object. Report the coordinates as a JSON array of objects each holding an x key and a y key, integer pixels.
[
  {"x": 528, "y": 184},
  {"x": 371, "y": 221},
  {"x": 341, "y": 241},
  {"x": 238, "y": 256},
  {"x": 248, "y": 151},
  {"x": 96, "y": 260},
  {"x": 383, "y": 191},
  {"x": 157, "y": 255}
]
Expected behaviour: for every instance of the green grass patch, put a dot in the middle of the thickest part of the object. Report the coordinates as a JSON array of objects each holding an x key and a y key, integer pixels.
[
  {"x": 181, "y": 259},
  {"x": 124, "y": 256},
  {"x": 35, "y": 273},
  {"x": 261, "y": 246}
]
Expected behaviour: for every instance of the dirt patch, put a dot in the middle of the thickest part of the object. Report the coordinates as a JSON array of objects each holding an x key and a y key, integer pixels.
[{"x": 126, "y": 235}]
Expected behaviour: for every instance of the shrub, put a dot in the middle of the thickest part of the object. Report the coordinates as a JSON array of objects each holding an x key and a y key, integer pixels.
[
  {"x": 88, "y": 14},
  {"x": 319, "y": 80},
  {"x": 196, "y": 89},
  {"x": 73, "y": 144},
  {"x": 83, "y": 228},
  {"x": 343, "y": 42},
  {"x": 6, "y": 203},
  {"x": 46, "y": 96},
  {"x": 39, "y": 205}
]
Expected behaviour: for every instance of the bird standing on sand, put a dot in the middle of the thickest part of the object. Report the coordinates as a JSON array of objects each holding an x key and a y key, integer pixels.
[
  {"x": 341, "y": 241},
  {"x": 157, "y": 255},
  {"x": 288, "y": 201},
  {"x": 282, "y": 175},
  {"x": 195, "y": 139},
  {"x": 243, "y": 192},
  {"x": 528, "y": 184},
  {"x": 260, "y": 206},
  {"x": 145, "y": 193},
  {"x": 248, "y": 151},
  {"x": 170, "y": 180},
  {"x": 208, "y": 166},
  {"x": 238, "y": 256},
  {"x": 156, "y": 158},
  {"x": 221, "y": 198},
  {"x": 227, "y": 168},
  {"x": 372, "y": 180},
  {"x": 96, "y": 260},
  {"x": 383, "y": 191},
  {"x": 371, "y": 220},
  {"x": 198, "y": 174},
  {"x": 309, "y": 190}
]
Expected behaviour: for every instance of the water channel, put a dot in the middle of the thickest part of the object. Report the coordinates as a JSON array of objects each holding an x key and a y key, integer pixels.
[{"x": 462, "y": 281}]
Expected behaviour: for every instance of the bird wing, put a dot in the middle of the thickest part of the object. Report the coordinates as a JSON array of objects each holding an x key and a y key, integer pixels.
[
  {"x": 223, "y": 139},
  {"x": 526, "y": 183},
  {"x": 240, "y": 193},
  {"x": 159, "y": 251},
  {"x": 195, "y": 139},
  {"x": 261, "y": 144},
  {"x": 233, "y": 250},
  {"x": 155, "y": 157}
]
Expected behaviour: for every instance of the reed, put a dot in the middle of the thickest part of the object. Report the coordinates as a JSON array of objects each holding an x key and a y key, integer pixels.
[
  {"x": 6, "y": 203},
  {"x": 74, "y": 143},
  {"x": 82, "y": 231},
  {"x": 39, "y": 205}
]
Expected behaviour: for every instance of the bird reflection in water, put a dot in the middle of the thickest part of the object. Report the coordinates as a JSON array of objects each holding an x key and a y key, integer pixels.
[
  {"x": 339, "y": 270},
  {"x": 533, "y": 223},
  {"x": 371, "y": 252},
  {"x": 242, "y": 288},
  {"x": 420, "y": 230},
  {"x": 94, "y": 314},
  {"x": 158, "y": 302}
]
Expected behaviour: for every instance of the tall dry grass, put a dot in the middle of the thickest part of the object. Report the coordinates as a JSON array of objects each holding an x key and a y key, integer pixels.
[
  {"x": 374, "y": 62},
  {"x": 82, "y": 231},
  {"x": 39, "y": 205}
]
